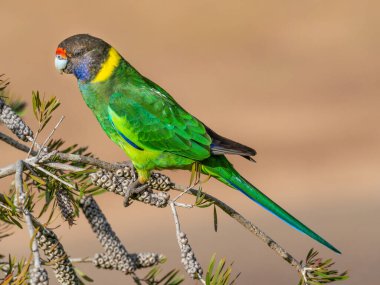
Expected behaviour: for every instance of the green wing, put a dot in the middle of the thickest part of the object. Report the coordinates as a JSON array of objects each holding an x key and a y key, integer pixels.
[{"x": 148, "y": 117}]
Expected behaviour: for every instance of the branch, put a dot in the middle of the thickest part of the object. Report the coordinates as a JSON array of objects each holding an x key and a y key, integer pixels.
[
  {"x": 15, "y": 143},
  {"x": 49, "y": 136},
  {"x": 27, "y": 215},
  {"x": 11, "y": 169},
  {"x": 249, "y": 226}
]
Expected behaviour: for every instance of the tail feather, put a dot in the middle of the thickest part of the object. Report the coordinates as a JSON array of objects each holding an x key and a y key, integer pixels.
[
  {"x": 221, "y": 145},
  {"x": 220, "y": 168}
]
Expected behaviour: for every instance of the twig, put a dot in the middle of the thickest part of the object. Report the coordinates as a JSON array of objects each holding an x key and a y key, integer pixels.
[
  {"x": 182, "y": 205},
  {"x": 53, "y": 176},
  {"x": 196, "y": 182},
  {"x": 62, "y": 166},
  {"x": 15, "y": 143},
  {"x": 50, "y": 135},
  {"x": 11, "y": 169},
  {"x": 63, "y": 156},
  {"x": 33, "y": 140},
  {"x": 176, "y": 220},
  {"x": 81, "y": 259},
  {"x": 184, "y": 191},
  {"x": 88, "y": 160},
  {"x": 27, "y": 215},
  {"x": 4, "y": 206}
]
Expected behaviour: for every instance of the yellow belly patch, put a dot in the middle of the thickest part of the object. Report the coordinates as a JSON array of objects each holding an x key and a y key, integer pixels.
[{"x": 108, "y": 66}]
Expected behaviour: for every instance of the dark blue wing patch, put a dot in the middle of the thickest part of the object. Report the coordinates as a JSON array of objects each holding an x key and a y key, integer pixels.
[{"x": 125, "y": 138}]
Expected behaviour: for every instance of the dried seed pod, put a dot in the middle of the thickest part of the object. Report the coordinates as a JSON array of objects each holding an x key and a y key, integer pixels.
[
  {"x": 102, "y": 260},
  {"x": 38, "y": 276},
  {"x": 119, "y": 180},
  {"x": 56, "y": 255},
  {"x": 192, "y": 266},
  {"x": 159, "y": 199},
  {"x": 159, "y": 181},
  {"x": 14, "y": 122},
  {"x": 116, "y": 256},
  {"x": 113, "y": 181},
  {"x": 65, "y": 206},
  {"x": 148, "y": 259},
  {"x": 107, "y": 237}
]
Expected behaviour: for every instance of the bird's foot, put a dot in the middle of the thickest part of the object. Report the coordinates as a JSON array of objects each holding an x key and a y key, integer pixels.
[{"x": 135, "y": 187}]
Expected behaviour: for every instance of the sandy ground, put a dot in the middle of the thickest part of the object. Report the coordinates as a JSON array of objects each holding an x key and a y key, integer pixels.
[{"x": 296, "y": 80}]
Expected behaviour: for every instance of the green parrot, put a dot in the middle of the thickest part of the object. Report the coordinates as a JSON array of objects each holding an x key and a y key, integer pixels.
[{"x": 151, "y": 127}]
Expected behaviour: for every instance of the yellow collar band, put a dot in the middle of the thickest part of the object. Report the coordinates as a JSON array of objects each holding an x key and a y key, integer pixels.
[{"x": 108, "y": 66}]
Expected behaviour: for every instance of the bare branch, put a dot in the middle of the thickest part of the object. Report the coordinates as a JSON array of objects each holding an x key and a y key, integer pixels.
[
  {"x": 50, "y": 135},
  {"x": 88, "y": 160},
  {"x": 65, "y": 167},
  {"x": 27, "y": 215},
  {"x": 53, "y": 175},
  {"x": 81, "y": 260},
  {"x": 11, "y": 169},
  {"x": 15, "y": 143}
]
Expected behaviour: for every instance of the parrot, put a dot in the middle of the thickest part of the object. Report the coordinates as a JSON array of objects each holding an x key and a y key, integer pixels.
[{"x": 154, "y": 131}]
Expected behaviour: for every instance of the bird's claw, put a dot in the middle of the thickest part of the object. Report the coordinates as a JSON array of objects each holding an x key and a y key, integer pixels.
[{"x": 134, "y": 188}]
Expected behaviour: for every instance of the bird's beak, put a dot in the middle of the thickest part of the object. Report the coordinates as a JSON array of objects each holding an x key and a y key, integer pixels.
[{"x": 60, "y": 60}]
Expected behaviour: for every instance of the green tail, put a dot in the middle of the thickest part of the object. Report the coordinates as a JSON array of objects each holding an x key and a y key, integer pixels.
[{"x": 220, "y": 168}]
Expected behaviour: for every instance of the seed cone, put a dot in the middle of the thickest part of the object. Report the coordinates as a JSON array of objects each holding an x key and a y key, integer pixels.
[
  {"x": 119, "y": 180},
  {"x": 116, "y": 255},
  {"x": 38, "y": 276},
  {"x": 65, "y": 206},
  {"x": 14, "y": 122},
  {"x": 56, "y": 255},
  {"x": 192, "y": 266}
]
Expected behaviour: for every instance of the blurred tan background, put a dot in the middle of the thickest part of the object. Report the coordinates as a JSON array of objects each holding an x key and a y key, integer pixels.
[{"x": 296, "y": 80}]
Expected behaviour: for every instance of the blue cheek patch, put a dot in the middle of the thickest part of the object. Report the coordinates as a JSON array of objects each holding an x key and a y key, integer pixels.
[{"x": 82, "y": 71}]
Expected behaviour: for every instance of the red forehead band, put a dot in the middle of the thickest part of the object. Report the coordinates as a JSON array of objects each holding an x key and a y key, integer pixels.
[{"x": 61, "y": 52}]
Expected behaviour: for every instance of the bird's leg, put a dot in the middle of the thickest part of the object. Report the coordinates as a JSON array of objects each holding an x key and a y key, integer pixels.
[{"x": 136, "y": 187}]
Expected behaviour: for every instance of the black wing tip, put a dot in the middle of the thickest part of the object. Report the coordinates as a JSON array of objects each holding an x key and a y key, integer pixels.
[{"x": 249, "y": 158}]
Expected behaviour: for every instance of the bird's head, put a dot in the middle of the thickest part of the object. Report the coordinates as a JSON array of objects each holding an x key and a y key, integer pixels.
[{"x": 82, "y": 55}]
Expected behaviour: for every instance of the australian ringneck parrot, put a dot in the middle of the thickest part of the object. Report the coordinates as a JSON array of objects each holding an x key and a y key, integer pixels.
[{"x": 150, "y": 126}]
